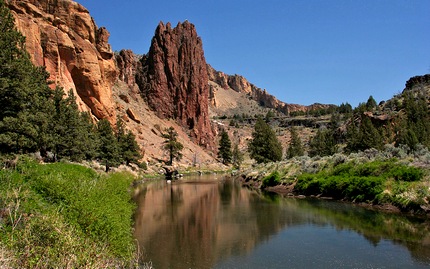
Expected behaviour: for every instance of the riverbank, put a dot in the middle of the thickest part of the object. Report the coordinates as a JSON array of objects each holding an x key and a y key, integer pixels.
[
  {"x": 65, "y": 216},
  {"x": 390, "y": 180}
]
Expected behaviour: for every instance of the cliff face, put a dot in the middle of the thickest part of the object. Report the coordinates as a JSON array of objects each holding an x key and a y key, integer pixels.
[
  {"x": 175, "y": 81},
  {"x": 62, "y": 36},
  {"x": 262, "y": 97}
]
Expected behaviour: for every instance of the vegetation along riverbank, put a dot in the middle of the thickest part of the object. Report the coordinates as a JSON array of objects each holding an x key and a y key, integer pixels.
[
  {"x": 64, "y": 215},
  {"x": 390, "y": 178}
]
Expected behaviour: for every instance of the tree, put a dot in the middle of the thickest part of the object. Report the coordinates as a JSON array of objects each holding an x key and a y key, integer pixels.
[
  {"x": 129, "y": 150},
  {"x": 237, "y": 157},
  {"x": 296, "y": 147},
  {"x": 172, "y": 145},
  {"x": 224, "y": 150},
  {"x": 371, "y": 103},
  {"x": 322, "y": 144},
  {"x": 363, "y": 137},
  {"x": 264, "y": 146},
  {"x": 108, "y": 147},
  {"x": 72, "y": 136},
  {"x": 26, "y": 108}
]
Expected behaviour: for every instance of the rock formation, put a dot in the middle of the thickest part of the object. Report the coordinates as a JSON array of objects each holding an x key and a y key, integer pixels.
[
  {"x": 261, "y": 96},
  {"x": 175, "y": 83},
  {"x": 62, "y": 36}
]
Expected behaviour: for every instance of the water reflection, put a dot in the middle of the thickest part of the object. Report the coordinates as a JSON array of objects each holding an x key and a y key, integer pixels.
[{"x": 198, "y": 223}]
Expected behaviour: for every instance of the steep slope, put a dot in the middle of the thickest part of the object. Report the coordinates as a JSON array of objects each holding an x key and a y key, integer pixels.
[{"x": 62, "y": 36}]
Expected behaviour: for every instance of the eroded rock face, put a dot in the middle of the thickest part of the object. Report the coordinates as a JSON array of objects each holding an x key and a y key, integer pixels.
[
  {"x": 62, "y": 36},
  {"x": 261, "y": 96},
  {"x": 176, "y": 79}
]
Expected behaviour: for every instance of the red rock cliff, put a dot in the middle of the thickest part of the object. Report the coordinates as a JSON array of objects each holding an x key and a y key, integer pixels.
[
  {"x": 176, "y": 83},
  {"x": 62, "y": 36}
]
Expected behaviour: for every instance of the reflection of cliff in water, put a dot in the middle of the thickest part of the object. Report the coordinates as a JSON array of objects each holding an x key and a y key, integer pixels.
[
  {"x": 199, "y": 223},
  {"x": 195, "y": 224}
]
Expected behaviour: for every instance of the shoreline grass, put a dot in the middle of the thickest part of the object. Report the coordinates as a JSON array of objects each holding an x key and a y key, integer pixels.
[{"x": 65, "y": 216}]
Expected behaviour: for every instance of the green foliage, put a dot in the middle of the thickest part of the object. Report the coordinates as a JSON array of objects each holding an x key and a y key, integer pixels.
[
  {"x": 67, "y": 216},
  {"x": 24, "y": 94},
  {"x": 407, "y": 173},
  {"x": 360, "y": 183},
  {"x": 414, "y": 128},
  {"x": 363, "y": 137},
  {"x": 237, "y": 157},
  {"x": 224, "y": 150},
  {"x": 271, "y": 180},
  {"x": 371, "y": 103},
  {"x": 323, "y": 143},
  {"x": 108, "y": 147},
  {"x": 296, "y": 147},
  {"x": 264, "y": 146},
  {"x": 129, "y": 150},
  {"x": 172, "y": 145}
]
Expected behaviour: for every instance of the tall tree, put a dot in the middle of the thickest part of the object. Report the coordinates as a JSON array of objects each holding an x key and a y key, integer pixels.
[
  {"x": 237, "y": 156},
  {"x": 323, "y": 143},
  {"x": 24, "y": 94},
  {"x": 264, "y": 146},
  {"x": 296, "y": 147},
  {"x": 108, "y": 148},
  {"x": 224, "y": 150},
  {"x": 172, "y": 145},
  {"x": 129, "y": 150}
]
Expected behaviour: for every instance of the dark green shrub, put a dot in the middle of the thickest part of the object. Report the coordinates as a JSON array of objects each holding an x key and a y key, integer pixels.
[
  {"x": 407, "y": 173},
  {"x": 271, "y": 180}
]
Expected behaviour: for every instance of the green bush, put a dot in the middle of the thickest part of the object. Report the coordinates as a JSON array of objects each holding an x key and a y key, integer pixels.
[
  {"x": 357, "y": 182},
  {"x": 271, "y": 180},
  {"x": 407, "y": 173}
]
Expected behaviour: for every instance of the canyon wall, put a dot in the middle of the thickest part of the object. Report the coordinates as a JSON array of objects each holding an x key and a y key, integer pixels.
[{"x": 62, "y": 36}]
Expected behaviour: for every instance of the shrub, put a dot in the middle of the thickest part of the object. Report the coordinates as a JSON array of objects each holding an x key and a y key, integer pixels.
[
  {"x": 407, "y": 173},
  {"x": 271, "y": 180}
]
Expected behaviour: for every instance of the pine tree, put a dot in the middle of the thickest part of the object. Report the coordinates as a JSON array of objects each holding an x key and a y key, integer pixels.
[
  {"x": 237, "y": 157},
  {"x": 108, "y": 150},
  {"x": 24, "y": 94},
  {"x": 323, "y": 143},
  {"x": 224, "y": 150},
  {"x": 371, "y": 103},
  {"x": 72, "y": 138},
  {"x": 129, "y": 150},
  {"x": 296, "y": 147},
  {"x": 172, "y": 145},
  {"x": 264, "y": 146}
]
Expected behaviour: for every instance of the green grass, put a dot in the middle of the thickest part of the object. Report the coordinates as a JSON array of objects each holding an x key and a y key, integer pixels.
[{"x": 66, "y": 216}]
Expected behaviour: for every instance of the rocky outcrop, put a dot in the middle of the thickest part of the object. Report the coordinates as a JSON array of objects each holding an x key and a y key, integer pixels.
[
  {"x": 175, "y": 81},
  {"x": 261, "y": 96},
  {"x": 62, "y": 36}
]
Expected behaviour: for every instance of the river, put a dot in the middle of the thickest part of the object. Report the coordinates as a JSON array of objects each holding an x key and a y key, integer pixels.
[{"x": 212, "y": 222}]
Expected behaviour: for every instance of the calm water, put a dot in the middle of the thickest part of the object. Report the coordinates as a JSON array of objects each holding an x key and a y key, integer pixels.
[{"x": 214, "y": 223}]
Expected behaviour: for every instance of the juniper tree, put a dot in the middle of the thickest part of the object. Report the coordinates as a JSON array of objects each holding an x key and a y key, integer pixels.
[
  {"x": 224, "y": 150},
  {"x": 296, "y": 147},
  {"x": 264, "y": 145},
  {"x": 172, "y": 145}
]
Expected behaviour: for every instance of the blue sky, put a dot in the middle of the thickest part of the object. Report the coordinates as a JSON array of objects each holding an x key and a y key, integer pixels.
[{"x": 303, "y": 52}]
